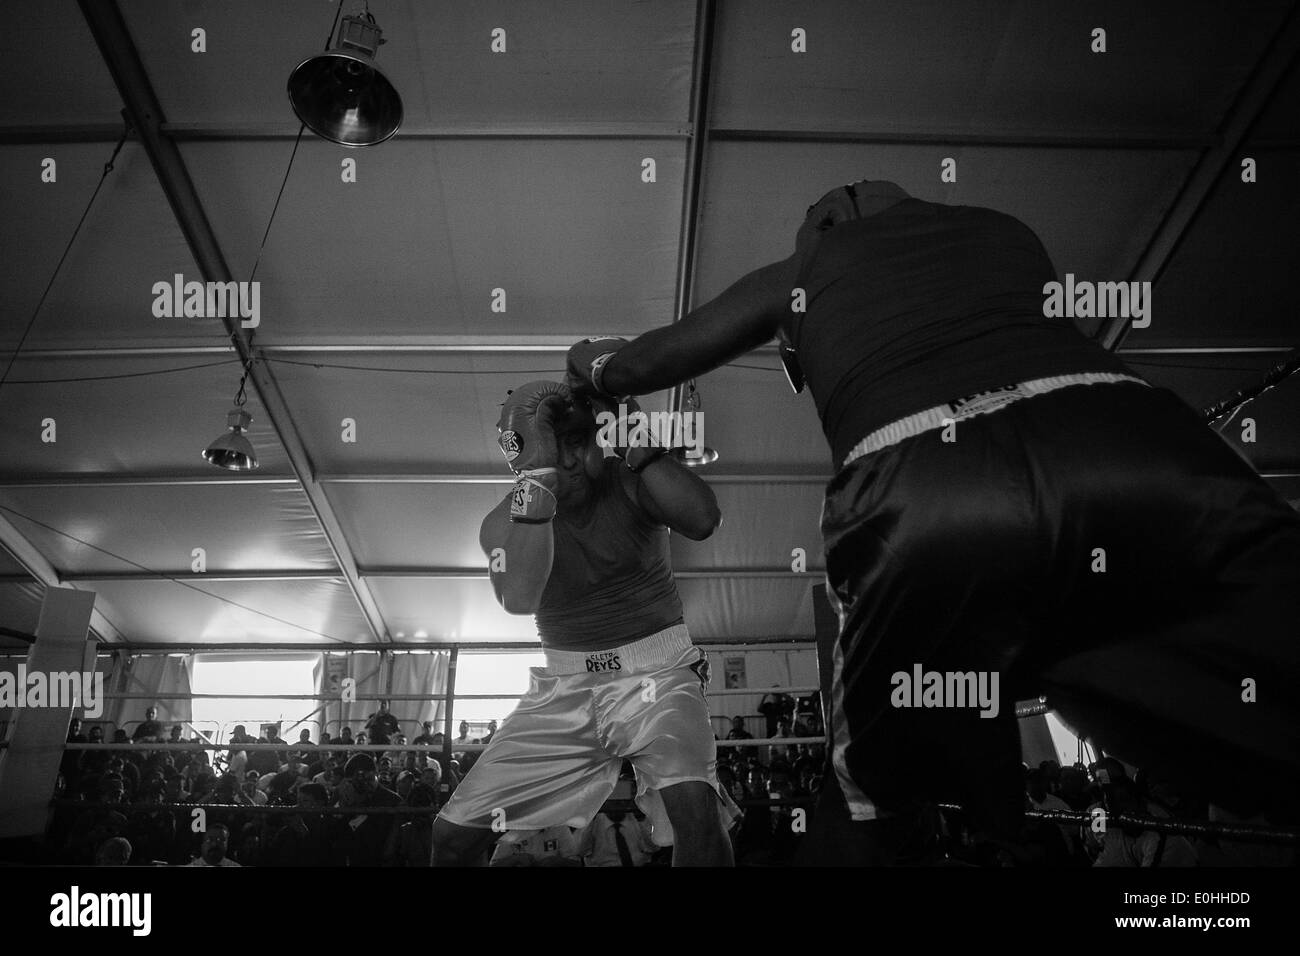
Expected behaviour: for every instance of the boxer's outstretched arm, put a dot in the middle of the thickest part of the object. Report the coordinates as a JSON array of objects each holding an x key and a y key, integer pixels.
[
  {"x": 519, "y": 558},
  {"x": 675, "y": 496},
  {"x": 739, "y": 320}
]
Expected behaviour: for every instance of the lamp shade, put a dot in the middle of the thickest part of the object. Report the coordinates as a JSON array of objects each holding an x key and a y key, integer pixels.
[
  {"x": 341, "y": 95},
  {"x": 232, "y": 451}
]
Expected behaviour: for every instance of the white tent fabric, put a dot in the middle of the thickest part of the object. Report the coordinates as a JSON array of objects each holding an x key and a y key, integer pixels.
[{"x": 523, "y": 172}]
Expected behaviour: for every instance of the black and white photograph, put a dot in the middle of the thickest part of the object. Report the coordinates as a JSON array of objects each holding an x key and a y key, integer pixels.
[{"x": 849, "y": 444}]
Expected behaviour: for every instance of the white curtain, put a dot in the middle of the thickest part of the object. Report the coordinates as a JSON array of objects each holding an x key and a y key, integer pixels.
[
  {"x": 149, "y": 675},
  {"x": 419, "y": 674},
  {"x": 365, "y": 669}
]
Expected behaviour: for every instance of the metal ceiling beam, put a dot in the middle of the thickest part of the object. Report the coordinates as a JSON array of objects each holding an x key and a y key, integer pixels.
[
  {"x": 427, "y": 574},
  {"x": 502, "y": 345},
  {"x": 39, "y": 567},
  {"x": 448, "y": 478},
  {"x": 197, "y": 132},
  {"x": 191, "y": 132},
  {"x": 1278, "y": 58},
  {"x": 468, "y": 647},
  {"x": 433, "y": 344},
  {"x": 816, "y": 479},
  {"x": 132, "y": 481},
  {"x": 1017, "y": 139},
  {"x": 1059, "y": 139},
  {"x": 303, "y": 574},
  {"x": 146, "y": 115},
  {"x": 491, "y": 478},
  {"x": 452, "y": 574}
]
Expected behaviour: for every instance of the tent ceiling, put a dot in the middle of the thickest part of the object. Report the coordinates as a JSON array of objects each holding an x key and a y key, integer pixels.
[{"x": 522, "y": 171}]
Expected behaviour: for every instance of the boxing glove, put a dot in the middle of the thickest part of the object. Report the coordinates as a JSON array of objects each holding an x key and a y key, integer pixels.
[
  {"x": 586, "y": 363},
  {"x": 525, "y": 430}
]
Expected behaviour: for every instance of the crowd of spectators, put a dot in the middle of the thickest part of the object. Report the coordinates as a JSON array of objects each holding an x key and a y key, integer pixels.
[
  {"x": 135, "y": 807},
  {"x": 1110, "y": 836}
]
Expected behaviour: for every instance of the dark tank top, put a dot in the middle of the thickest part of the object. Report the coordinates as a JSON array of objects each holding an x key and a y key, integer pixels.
[
  {"x": 611, "y": 581},
  {"x": 921, "y": 303}
]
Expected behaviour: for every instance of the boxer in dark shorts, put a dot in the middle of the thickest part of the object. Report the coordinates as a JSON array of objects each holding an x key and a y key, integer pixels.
[{"x": 1009, "y": 501}]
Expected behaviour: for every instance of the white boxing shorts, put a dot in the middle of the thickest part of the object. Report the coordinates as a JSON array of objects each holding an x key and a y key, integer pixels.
[{"x": 556, "y": 758}]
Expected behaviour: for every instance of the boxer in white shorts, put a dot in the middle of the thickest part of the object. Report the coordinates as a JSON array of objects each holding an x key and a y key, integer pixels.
[{"x": 582, "y": 543}]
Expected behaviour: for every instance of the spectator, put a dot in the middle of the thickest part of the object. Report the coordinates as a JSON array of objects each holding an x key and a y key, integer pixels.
[
  {"x": 1036, "y": 790},
  {"x": 492, "y": 730},
  {"x": 367, "y": 839},
  {"x": 305, "y": 752},
  {"x": 784, "y": 838},
  {"x": 215, "y": 842},
  {"x": 754, "y": 842},
  {"x": 406, "y": 782},
  {"x": 1129, "y": 844},
  {"x": 94, "y": 761},
  {"x": 415, "y": 839},
  {"x": 776, "y": 707},
  {"x": 381, "y": 725},
  {"x": 1074, "y": 787},
  {"x": 176, "y": 732},
  {"x": 304, "y": 839},
  {"x": 252, "y": 794},
  {"x": 554, "y": 846},
  {"x": 70, "y": 765},
  {"x": 738, "y": 731},
  {"x": 729, "y": 782},
  {"x": 616, "y": 838},
  {"x": 149, "y": 729},
  {"x": 115, "y": 851},
  {"x": 463, "y": 733},
  {"x": 428, "y": 736},
  {"x": 784, "y": 729},
  {"x": 281, "y": 757}
]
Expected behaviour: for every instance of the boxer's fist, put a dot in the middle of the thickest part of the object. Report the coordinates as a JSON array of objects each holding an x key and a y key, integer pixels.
[
  {"x": 587, "y": 360},
  {"x": 527, "y": 425}
]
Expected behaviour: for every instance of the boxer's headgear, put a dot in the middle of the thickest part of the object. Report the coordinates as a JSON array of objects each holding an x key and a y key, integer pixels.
[{"x": 789, "y": 355}]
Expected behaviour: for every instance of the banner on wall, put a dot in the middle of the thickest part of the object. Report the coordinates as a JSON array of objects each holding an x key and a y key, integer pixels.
[
  {"x": 336, "y": 668},
  {"x": 733, "y": 672}
]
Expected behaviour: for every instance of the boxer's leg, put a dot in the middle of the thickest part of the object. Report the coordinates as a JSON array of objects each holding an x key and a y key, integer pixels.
[
  {"x": 544, "y": 767},
  {"x": 933, "y": 559}
]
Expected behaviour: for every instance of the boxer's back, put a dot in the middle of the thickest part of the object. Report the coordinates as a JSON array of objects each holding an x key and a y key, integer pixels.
[{"x": 923, "y": 303}]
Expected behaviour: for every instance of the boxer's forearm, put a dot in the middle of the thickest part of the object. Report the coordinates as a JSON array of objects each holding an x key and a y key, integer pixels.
[
  {"x": 682, "y": 500},
  {"x": 529, "y": 553},
  {"x": 739, "y": 320},
  {"x": 519, "y": 559}
]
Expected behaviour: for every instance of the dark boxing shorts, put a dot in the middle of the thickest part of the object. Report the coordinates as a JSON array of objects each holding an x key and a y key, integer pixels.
[{"x": 986, "y": 554}]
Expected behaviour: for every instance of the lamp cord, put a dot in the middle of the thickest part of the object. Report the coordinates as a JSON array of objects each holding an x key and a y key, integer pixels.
[{"x": 108, "y": 168}]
